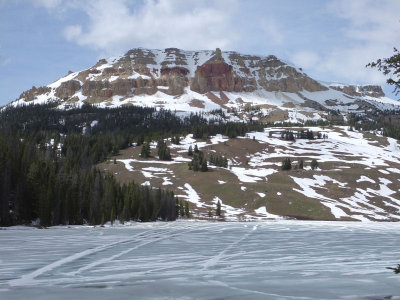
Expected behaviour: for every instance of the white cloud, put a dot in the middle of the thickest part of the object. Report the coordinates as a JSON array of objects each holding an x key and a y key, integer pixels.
[
  {"x": 271, "y": 28},
  {"x": 364, "y": 30},
  {"x": 372, "y": 29},
  {"x": 73, "y": 32},
  {"x": 49, "y": 4},
  {"x": 115, "y": 27},
  {"x": 306, "y": 59}
]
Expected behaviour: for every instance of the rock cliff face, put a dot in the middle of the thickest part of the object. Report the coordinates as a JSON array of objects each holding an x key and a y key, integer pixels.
[
  {"x": 172, "y": 78},
  {"x": 215, "y": 76},
  {"x": 31, "y": 94},
  {"x": 68, "y": 89},
  {"x": 142, "y": 71}
]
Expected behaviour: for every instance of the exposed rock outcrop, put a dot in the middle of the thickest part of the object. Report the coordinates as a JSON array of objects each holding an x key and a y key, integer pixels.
[
  {"x": 215, "y": 76},
  {"x": 120, "y": 87},
  {"x": 360, "y": 90},
  {"x": 175, "y": 79},
  {"x": 29, "y": 95},
  {"x": 68, "y": 89}
]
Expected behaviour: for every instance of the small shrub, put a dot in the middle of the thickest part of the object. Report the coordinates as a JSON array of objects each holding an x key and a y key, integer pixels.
[
  {"x": 314, "y": 164},
  {"x": 286, "y": 164}
]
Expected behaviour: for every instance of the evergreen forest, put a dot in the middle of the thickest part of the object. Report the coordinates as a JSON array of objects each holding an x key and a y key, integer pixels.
[{"x": 48, "y": 158}]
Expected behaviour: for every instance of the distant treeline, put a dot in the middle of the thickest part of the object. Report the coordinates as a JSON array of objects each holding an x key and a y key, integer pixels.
[{"x": 387, "y": 122}]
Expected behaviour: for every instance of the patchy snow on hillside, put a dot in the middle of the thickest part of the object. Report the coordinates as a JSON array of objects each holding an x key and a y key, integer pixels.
[
  {"x": 363, "y": 197},
  {"x": 262, "y": 211},
  {"x": 251, "y": 175},
  {"x": 127, "y": 163},
  {"x": 230, "y": 213},
  {"x": 365, "y": 178},
  {"x": 191, "y": 196}
]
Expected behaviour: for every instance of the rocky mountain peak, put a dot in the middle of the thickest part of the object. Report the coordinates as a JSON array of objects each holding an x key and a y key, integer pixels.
[{"x": 207, "y": 79}]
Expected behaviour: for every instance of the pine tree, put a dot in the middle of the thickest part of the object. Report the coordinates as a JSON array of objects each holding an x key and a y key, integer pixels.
[
  {"x": 103, "y": 219},
  {"x": 181, "y": 209},
  {"x": 112, "y": 215},
  {"x": 314, "y": 164},
  {"x": 218, "y": 209},
  {"x": 190, "y": 151},
  {"x": 286, "y": 164},
  {"x": 175, "y": 140},
  {"x": 196, "y": 149},
  {"x": 145, "y": 152},
  {"x": 301, "y": 164},
  {"x": 177, "y": 207},
  {"x": 225, "y": 162},
  {"x": 140, "y": 140},
  {"x": 204, "y": 167},
  {"x": 187, "y": 214},
  {"x": 163, "y": 151}
]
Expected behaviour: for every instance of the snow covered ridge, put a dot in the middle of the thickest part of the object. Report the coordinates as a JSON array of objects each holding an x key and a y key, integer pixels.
[
  {"x": 244, "y": 86},
  {"x": 357, "y": 178}
]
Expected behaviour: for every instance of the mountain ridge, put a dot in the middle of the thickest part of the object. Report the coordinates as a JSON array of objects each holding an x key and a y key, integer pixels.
[{"x": 206, "y": 80}]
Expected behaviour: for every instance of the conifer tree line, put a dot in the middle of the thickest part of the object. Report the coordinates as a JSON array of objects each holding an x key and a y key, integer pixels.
[
  {"x": 182, "y": 208},
  {"x": 41, "y": 184},
  {"x": 218, "y": 160},
  {"x": 48, "y": 157},
  {"x": 289, "y": 135},
  {"x": 385, "y": 122},
  {"x": 287, "y": 164}
]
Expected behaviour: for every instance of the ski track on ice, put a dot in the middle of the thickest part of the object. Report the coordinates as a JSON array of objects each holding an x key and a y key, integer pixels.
[
  {"x": 154, "y": 237},
  {"x": 158, "y": 236},
  {"x": 214, "y": 260},
  {"x": 220, "y": 283},
  {"x": 29, "y": 279}
]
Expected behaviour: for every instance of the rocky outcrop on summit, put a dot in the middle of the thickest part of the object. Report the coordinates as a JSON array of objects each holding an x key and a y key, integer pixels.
[{"x": 31, "y": 94}]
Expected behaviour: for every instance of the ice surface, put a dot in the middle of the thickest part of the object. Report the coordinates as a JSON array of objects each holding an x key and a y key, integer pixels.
[{"x": 201, "y": 260}]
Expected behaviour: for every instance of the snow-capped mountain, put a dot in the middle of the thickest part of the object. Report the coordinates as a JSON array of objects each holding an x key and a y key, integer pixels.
[{"x": 257, "y": 87}]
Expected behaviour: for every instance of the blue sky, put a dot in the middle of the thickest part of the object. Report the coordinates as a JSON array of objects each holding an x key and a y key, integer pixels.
[{"x": 41, "y": 40}]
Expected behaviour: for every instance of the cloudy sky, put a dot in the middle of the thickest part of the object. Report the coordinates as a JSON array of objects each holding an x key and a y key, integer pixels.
[{"x": 332, "y": 40}]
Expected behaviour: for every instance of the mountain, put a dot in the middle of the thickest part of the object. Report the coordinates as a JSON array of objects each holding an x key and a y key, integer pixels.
[
  {"x": 239, "y": 163},
  {"x": 245, "y": 86}
]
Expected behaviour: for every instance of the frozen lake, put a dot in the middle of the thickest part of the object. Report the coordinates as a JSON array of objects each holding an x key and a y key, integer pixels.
[{"x": 200, "y": 260}]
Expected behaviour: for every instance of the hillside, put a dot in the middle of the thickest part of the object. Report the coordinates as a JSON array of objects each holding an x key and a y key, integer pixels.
[
  {"x": 245, "y": 87},
  {"x": 228, "y": 104},
  {"x": 357, "y": 177}
]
